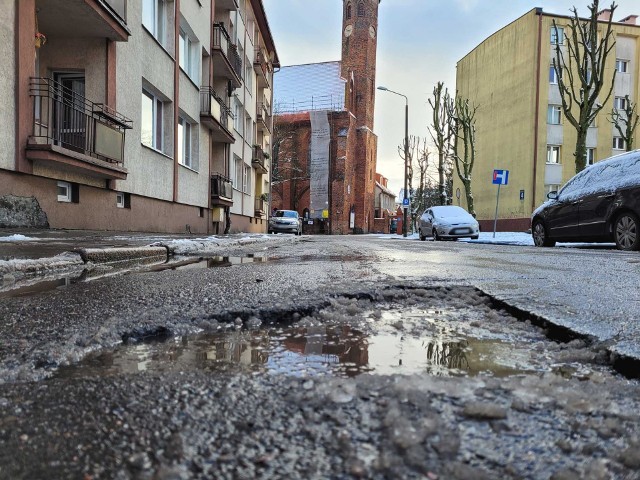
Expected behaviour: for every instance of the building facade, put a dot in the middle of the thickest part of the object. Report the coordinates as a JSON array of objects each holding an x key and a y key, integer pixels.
[
  {"x": 520, "y": 125},
  {"x": 128, "y": 114},
  {"x": 327, "y": 151}
]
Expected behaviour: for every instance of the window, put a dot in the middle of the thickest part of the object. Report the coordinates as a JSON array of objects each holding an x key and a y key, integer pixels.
[
  {"x": 349, "y": 11},
  {"x": 618, "y": 143},
  {"x": 189, "y": 55},
  {"x": 249, "y": 130},
  {"x": 553, "y": 75},
  {"x": 557, "y": 35},
  {"x": 151, "y": 121},
  {"x": 361, "y": 9},
  {"x": 239, "y": 171},
  {"x": 552, "y": 188},
  {"x": 591, "y": 156},
  {"x": 238, "y": 117},
  {"x": 553, "y": 154},
  {"x": 554, "y": 114},
  {"x": 185, "y": 143},
  {"x": 620, "y": 103},
  {"x": 64, "y": 192},
  {"x": 622, "y": 66},
  {"x": 246, "y": 179},
  {"x": 153, "y": 17},
  {"x": 123, "y": 200},
  {"x": 248, "y": 76}
]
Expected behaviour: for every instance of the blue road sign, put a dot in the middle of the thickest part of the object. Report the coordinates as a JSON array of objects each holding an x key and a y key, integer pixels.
[
  {"x": 405, "y": 202},
  {"x": 500, "y": 177}
]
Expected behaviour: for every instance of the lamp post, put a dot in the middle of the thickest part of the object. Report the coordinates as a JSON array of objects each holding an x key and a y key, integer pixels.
[{"x": 405, "y": 207}]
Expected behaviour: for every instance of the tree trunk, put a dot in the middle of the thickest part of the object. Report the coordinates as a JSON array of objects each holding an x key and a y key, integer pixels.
[
  {"x": 227, "y": 220},
  {"x": 581, "y": 150},
  {"x": 467, "y": 190},
  {"x": 441, "y": 181}
]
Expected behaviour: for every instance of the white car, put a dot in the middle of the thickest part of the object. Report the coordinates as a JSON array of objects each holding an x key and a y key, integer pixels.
[
  {"x": 446, "y": 222},
  {"x": 285, "y": 221}
]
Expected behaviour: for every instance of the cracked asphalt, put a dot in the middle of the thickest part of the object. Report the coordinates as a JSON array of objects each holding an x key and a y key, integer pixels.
[{"x": 193, "y": 424}]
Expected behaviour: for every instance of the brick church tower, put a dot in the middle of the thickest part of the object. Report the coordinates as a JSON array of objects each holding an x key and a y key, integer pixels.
[{"x": 359, "y": 47}]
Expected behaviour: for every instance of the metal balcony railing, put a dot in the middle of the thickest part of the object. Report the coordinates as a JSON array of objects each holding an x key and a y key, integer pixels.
[
  {"x": 264, "y": 115},
  {"x": 67, "y": 119},
  {"x": 118, "y": 7},
  {"x": 333, "y": 103},
  {"x": 222, "y": 42},
  {"x": 262, "y": 64},
  {"x": 211, "y": 104},
  {"x": 221, "y": 187},
  {"x": 260, "y": 160}
]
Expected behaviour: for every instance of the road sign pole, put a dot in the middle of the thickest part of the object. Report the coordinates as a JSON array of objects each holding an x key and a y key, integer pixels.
[{"x": 495, "y": 220}]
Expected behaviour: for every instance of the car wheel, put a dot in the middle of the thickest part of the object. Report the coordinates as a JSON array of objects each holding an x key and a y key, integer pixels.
[
  {"x": 435, "y": 235},
  {"x": 626, "y": 232},
  {"x": 540, "y": 237},
  {"x": 422, "y": 236}
]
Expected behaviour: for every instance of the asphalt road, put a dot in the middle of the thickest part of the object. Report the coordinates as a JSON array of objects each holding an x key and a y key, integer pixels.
[{"x": 194, "y": 424}]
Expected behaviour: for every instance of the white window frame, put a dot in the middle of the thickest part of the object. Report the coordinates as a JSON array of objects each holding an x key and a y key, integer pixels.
[
  {"x": 554, "y": 114},
  {"x": 559, "y": 39},
  {"x": 185, "y": 142},
  {"x": 550, "y": 154},
  {"x": 238, "y": 120},
  {"x": 619, "y": 143},
  {"x": 622, "y": 66},
  {"x": 189, "y": 46},
  {"x": 238, "y": 166},
  {"x": 620, "y": 103},
  {"x": 248, "y": 81},
  {"x": 66, "y": 197},
  {"x": 591, "y": 156},
  {"x": 552, "y": 188},
  {"x": 157, "y": 122},
  {"x": 246, "y": 179},
  {"x": 553, "y": 75},
  {"x": 158, "y": 12},
  {"x": 120, "y": 199}
]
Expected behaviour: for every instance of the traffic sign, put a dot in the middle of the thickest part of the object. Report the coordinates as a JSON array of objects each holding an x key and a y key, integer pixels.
[
  {"x": 500, "y": 177},
  {"x": 405, "y": 202}
]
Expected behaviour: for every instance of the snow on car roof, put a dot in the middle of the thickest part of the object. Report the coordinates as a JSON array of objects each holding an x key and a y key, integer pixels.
[{"x": 448, "y": 210}]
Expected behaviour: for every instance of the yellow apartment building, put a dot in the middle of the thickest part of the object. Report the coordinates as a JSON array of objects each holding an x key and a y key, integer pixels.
[{"x": 520, "y": 125}]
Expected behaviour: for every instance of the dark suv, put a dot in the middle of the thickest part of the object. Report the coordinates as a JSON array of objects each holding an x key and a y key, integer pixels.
[{"x": 599, "y": 204}]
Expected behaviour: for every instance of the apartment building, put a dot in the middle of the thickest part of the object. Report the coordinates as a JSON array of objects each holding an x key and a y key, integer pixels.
[
  {"x": 126, "y": 113},
  {"x": 519, "y": 122}
]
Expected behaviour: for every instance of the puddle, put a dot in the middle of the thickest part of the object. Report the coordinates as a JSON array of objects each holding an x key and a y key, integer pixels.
[
  {"x": 456, "y": 336},
  {"x": 210, "y": 262}
]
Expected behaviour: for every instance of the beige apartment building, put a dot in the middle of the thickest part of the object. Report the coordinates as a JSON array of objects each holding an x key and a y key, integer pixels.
[
  {"x": 519, "y": 122},
  {"x": 138, "y": 115}
]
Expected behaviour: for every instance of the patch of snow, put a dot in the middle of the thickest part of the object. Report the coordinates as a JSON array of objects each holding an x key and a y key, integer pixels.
[
  {"x": 40, "y": 265},
  {"x": 18, "y": 238}
]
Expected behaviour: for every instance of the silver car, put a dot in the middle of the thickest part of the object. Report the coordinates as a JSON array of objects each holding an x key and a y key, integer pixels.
[
  {"x": 447, "y": 222},
  {"x": 285, "y": 221}
]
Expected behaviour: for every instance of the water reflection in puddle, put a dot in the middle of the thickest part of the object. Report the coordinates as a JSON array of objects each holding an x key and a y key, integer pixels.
[
  {"x": 215, "y": 262},
  {"x": 336, "y": 350}
]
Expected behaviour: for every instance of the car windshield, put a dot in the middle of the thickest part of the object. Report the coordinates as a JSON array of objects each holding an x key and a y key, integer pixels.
[
  {"x": 449, "y": 211},
  {"x": 286, "y": 214}
]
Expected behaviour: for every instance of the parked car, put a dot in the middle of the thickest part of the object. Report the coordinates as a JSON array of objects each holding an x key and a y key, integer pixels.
[
  {"x": 447, "y": 222},
  {"x": 599, "y": 204},
  {"x": 285, "y": 221}
]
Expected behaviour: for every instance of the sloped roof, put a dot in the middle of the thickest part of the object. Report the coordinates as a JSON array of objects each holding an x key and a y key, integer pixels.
[{"x": 314, "y": 86}]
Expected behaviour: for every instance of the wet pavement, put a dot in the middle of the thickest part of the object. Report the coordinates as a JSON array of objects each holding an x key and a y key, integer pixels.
[{"x": 333, "y": 358}]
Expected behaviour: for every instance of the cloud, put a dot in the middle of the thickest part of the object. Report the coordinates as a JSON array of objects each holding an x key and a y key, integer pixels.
[{"x": 467, "y": 5}]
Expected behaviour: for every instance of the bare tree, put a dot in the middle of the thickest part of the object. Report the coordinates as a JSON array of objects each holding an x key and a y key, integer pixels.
[
  {"x": 626, "y": 122},
  {"x": 463, "y": 125},
  {"x": 442, "y": 136},
  {"x": 581, "y": 72}
]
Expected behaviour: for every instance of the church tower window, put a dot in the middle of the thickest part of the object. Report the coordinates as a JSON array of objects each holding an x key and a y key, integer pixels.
[
  {"x": 349, "y": 8},
  {"x": 361, "y": 9}
]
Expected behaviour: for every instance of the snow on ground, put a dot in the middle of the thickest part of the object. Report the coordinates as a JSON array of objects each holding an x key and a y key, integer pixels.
[
  {"x": 18, "y": 238},
  {"x": 39, "y": 265},
  {"x": 212, "y": 244}
]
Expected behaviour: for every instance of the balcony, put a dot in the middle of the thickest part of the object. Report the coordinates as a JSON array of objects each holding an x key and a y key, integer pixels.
[
  {"x": 260, "y": 160},
  {"x": 264, "y": 118},
  {"x": 226, "y": 4},
  {"x": 221, "y": 191},
  {"x": 72, "y": 133},
  {"x": 216, "y": 116},
  {"x": 261, "y": 207},
  {"x": 226, "y": 60},
  {"x": 262, "y": 69},
  {"x": 84, "y": 18}
]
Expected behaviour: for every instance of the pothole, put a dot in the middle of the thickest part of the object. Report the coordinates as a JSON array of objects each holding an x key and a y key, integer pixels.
[{"x": 448, "y": 331}]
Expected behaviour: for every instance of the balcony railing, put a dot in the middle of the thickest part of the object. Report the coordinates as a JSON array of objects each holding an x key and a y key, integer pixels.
[
  {"x": 263, "y": 115},
  {"x": 261, "y": 67},
  {"x": 66, "y": 119},
  {"x": 118, "y": 7},
  {"x": 222, "y": 42},
  {"x": 260, "y": 160},
  {"x": 221, "y": 190},
  {"x": 212, "y": 106},
  {"x": 261, "y": 206}
]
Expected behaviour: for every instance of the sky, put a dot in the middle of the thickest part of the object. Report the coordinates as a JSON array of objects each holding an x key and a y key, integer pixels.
[{"x": 419, "y": 44}]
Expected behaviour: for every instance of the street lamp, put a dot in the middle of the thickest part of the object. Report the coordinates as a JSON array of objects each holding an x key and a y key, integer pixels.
[{"x": 405, "y": 207}]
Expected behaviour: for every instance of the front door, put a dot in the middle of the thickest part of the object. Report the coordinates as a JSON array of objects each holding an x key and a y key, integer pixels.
[
  {"x": 564, "y": 220},
  {"x": 70, "y": 118}
]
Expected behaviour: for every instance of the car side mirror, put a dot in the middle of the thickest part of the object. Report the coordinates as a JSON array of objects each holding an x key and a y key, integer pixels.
[{"x": 552, "y": 195}]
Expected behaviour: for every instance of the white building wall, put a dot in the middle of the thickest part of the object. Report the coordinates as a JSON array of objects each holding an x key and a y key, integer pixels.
[{"x": 7, "y": 85}]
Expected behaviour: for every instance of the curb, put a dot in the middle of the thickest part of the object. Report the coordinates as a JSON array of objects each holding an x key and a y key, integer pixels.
[{"x": 120, "y": 254}]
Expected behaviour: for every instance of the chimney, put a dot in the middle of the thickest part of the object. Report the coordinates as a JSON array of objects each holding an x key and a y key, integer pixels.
[
  {"x": 604, "y": 15},
  {"x": 630, "y": 20}
]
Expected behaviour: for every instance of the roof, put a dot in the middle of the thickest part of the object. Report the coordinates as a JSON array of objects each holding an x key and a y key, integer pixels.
[
  {"x": 314, "y": 86},
  {"x": 385, "y": 190}
]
